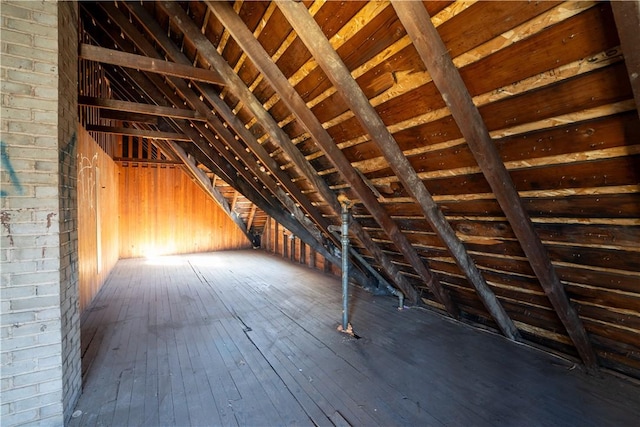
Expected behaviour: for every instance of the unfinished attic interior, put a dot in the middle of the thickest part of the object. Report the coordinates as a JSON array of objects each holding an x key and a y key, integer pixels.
[{"x": 482, "y": 156}]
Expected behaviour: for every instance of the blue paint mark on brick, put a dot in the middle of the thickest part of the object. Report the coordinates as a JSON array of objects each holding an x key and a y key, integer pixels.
[{"x": 6, "y": 165}]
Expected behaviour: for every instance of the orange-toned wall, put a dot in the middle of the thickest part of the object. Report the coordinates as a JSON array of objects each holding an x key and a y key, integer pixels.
[
  {"x": 162, "y": 211},
  {"x": 97, "y": 216}
]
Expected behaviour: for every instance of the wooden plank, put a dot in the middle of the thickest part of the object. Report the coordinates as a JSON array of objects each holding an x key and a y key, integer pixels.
[
  {"x": 446, "y": 76},
  {"x": 329, "y": 60},
  {"x": 627, "y": 18},
  {"x": 138, "y": 107},
  {"x": 127, "y": 160},
  {"x": 144, "y": 133},
  {"x": 144, "y": 63},
  {"x": 546, "y": 50},
  {"x": 601, "y": 87},
  {"x": 128, "y": 117}
]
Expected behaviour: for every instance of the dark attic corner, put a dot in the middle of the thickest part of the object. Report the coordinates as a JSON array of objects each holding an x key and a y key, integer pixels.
[{"x": 199, "y": 196}]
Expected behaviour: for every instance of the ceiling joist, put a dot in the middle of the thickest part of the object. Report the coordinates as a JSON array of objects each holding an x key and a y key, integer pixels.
[
  {"x": 141, "y": 133},
  {"x": 144, "y": 63},
  {"x": 138, "y": 107}
]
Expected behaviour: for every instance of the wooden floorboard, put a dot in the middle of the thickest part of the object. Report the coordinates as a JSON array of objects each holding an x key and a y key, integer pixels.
[{"x": 246, "y": 338}]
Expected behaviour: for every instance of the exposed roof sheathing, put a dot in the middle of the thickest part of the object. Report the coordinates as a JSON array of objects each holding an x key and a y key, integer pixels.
[{"x": 494, "y": 177}]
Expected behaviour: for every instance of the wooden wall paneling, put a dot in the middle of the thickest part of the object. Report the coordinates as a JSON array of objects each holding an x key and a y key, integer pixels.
[
  {"x": 276, "y": 236},
  {"x": 163, "y": 211},
  {"x": 98, "y": 242}
]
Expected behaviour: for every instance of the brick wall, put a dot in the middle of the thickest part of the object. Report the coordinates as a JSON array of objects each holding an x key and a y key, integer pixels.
[
  {"x": 40, "y": 371},
  {"x": 68, "y": 218}
]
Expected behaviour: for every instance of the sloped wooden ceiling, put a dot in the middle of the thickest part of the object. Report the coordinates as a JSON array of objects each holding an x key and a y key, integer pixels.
[{"x": 489, "y": 149}]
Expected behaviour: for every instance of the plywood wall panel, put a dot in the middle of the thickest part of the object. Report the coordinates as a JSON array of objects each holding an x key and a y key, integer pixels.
[
  {"x": 97, "y": 216},
  {"x": 162, "y": 211}
]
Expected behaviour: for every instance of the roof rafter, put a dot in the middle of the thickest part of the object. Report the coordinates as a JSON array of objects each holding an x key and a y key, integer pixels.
[
  {"x": 446, "y": 77},
  {"x": 296, "y": 104},
  {"x": 627, "y": 17},
  {"x": 329, "y": 60}
]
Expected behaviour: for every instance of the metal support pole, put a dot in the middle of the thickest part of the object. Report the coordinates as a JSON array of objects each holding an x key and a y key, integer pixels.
[{"x": 345, "y": 265}]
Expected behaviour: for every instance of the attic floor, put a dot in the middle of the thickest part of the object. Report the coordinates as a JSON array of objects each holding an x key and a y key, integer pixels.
[{"x": 245, "y": 338}]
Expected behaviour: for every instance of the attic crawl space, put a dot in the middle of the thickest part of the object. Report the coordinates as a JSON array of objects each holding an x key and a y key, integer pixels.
[{"x": 485, "y": 154}]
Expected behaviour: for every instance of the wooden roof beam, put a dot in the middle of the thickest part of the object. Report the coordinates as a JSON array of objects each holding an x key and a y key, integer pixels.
[
  {"x": 329, "y": 60},
  {"x": 138, "y": 107},
  {"x": 145, "y": 63},
  {"x": 252, "y": 214},
  {"x": 446, "y": 77},
  {"x": 296, "y": 104},
  {"x": 143, "y": 133},
  {"x": 240, "y": 90},
  {"x": 123, "y": 116},
  {"x": 627, "y": 17}
]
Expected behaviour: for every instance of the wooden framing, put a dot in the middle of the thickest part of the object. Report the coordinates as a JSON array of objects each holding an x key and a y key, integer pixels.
[
  {"x": 554, "y": 82},
  {"x": 145, "y": 63},
  {"x": 153, "y": 134},
  {"x": 445, "y": 75},
  {"x": 627, "y": 16},
  {"x": 311, "y": 34},
  {"x": 137, "y": 107},
  {"x": 238, "y": 150},
  {"x": 295, "y": 103},
  {"x": 213, "y": 158},
  {"x": 242, "y": 92}
]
